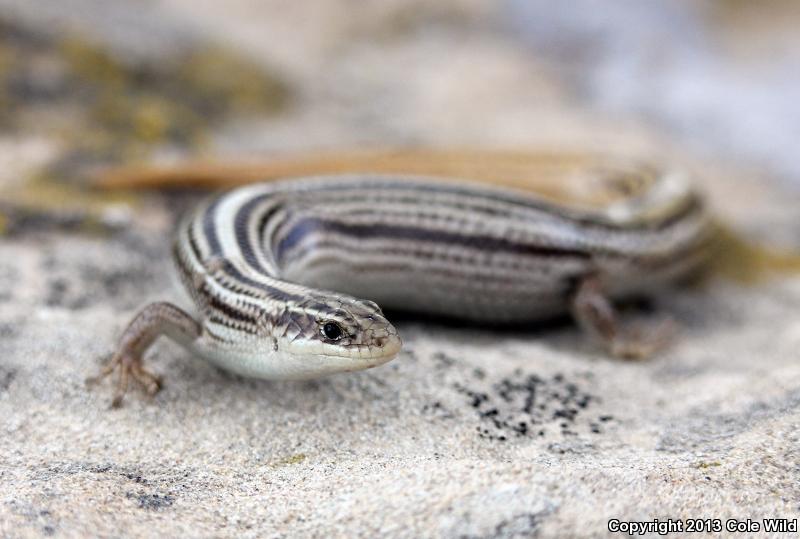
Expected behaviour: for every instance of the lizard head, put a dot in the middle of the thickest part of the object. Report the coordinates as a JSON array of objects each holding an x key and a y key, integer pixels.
[{"x": 338, "y": 333}]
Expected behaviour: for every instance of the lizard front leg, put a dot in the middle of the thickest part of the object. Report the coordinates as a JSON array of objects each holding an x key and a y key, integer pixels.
[{"x": 153, "y": 321}]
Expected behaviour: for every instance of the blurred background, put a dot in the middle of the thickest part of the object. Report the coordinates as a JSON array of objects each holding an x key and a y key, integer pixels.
[
  {"x": 85, "y": 83},
  {"x": 710, "y": 428}
]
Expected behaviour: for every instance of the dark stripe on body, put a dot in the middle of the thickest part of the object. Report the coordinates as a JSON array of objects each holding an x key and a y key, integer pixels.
[
  {"x": 472, "y": 198},
  {"x": 354, "y": 193},
  {"x": 241, "y": 225},
  {"x": 483, "y": 243},
  {"x": 209, "y": 229},
  {"x": 231, "y": 312}
]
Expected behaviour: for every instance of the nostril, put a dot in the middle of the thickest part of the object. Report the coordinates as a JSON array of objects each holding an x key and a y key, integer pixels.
[{"x": 380, "y": 341}]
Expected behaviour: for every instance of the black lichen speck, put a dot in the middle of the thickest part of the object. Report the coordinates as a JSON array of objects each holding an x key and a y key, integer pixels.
[
  {"x": 444, "y": 361},
  {"x": 152, "y": 502},
  {"x": 437, "y": 409},
  {"x": 528, "y": 405},
  {"x": 521, "y": 525},
  {"x": 6, "y": 378}
]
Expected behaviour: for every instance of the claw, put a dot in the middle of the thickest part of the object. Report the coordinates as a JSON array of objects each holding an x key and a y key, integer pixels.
[
  {"x": 108, "y": 369},
  {"x": 129, "y": 367},
  {"x": 151, "y": 382},
  {"x": 643, "y": 342}
]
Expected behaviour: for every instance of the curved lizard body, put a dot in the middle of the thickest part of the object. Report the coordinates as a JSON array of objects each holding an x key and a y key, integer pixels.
[{"x": 286, "y": 277}]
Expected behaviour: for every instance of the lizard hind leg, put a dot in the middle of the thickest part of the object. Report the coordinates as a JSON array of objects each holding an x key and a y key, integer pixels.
[
  {"x": 153, "y": 321},
  {"x": 594, "y": 312}
]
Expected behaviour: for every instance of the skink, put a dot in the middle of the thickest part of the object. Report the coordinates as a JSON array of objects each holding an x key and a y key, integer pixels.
[{"x": 286, "y": 278}]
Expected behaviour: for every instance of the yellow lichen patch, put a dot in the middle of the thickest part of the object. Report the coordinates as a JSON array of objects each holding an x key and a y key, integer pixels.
[
  {"x": 106, "y": 107},
  {"x": 6, "y": 65},
  {"x": 290, "y": 460},
  {"x": 134, "y": 108},
  {"x": 746, "y": 262},
  {"x": 92, "y": 65},
  {"x": 55, "y": 203},
  {"x": 222, "y": 80},
  {"x": 706, "y": 465},
  {"x": 129, "y": 108},
  {"x": 151, "y": 120},
  {"x": 44, "y": 190}
]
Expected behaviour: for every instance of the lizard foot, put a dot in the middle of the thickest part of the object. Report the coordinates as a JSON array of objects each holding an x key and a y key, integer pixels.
[
  {"x": 130, "y": 366},
  {"x": 642, "y": 341}
]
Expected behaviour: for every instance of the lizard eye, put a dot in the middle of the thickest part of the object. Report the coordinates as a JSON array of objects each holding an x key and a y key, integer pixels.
[{"x": 332, "y": 331}]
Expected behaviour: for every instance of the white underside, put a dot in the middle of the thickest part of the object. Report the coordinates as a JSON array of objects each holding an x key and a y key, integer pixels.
[{"x": 252, "y": 359}]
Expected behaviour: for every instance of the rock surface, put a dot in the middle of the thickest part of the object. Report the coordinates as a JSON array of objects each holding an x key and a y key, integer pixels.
[{"x": 470, "y": 432}]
